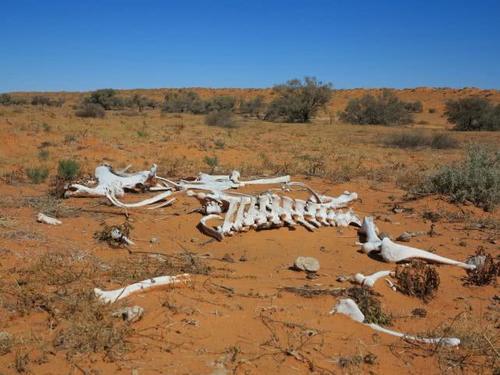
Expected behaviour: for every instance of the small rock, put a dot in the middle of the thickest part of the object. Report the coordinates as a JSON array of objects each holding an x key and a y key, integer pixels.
[
  {"x": 311, "y": 275},
  {"x": 243, "y": 258},
  {"x": 154, "y": 240},
  {"x": 462, "y": 243},
  {"x": 308, "y": 264},
  {"x": 404, "y": 237},
  {"x": 130, "y": 314},
  {"x": 228, "y": 258}
]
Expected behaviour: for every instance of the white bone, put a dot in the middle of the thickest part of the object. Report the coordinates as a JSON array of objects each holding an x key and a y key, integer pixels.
[
  {"x": 393, "y": 252},
  {"x": 310, "y": 213},
  {"x": 252, "y": 213},
  {"x": 118, "y": 236},
  {"x": 262, "y": 216},
  {"x": 286, "y": 211},
  {"x": 298, "y": 214},
  {"x": 238, "y": 222},
  {"x": 111, "y": 296},
  {"x": 274, "y": 216},
  {"x": 321, "y": 215},
  {"x": 350, "y": 308},
  {"x": 370, "y": 280},
  {"x": 228, "y": 220},
  {"x": 344, "y": 219},
  {"x": 111, "y": 197},
  {"x": 110, "y": 182},
  {"x": 373, "y": 241},
  {"x": 208, "y": 230},
  {"x": 42, "y": 218},
  {"x": 341, "y": 201}
]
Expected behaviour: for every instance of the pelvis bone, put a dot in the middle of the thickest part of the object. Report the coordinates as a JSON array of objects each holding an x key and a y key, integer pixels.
[
  {"x": 244, "y": 212},
  {"x": 350, "y": 308}
]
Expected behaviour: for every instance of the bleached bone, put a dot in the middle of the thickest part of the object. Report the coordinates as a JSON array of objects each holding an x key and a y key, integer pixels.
[
  {"x": 42, "y": 218},
  {"x": 341, "y": 201},
  {"x": 350, "y": 308},
  {"x": 321, "y": 215},
  {"x": 343, "y": 219},
  {"x": 111, "y": 296},
  {"x": 110, "y": 182},
  {"x": 310, "y": 213},
  {"x": 370, "y": 280},
  {"x": 118, "y": 236},
  {"x": 157, "y": 198},
  {"x": 238, "y": 222},
  {"x": 393, "y": 253},
  {"x": 251, "y": 215},
  {"x": 209, "y": 203},
  {"x": 286, "y": 211},
  {"x": 274, "y": 216},
  {"x": 207, "y": 229},
  {"x": 263, "y": 202},
  {"x": 227, "y": 226},
  {"x": 369, "y": 230}
]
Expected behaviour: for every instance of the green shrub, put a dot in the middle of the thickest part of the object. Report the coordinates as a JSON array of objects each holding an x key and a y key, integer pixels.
[
  {"x": 220, "y": 103},
  {"x": 6, "y": 99},
  {"x": 385, "y": 109},
  {"x": 183, "y": 101},
  {"x": 68, "y": 169},
  {"x": 414, "y": 107},
  {"x": 106, "y": 98},
  {"x": 417, "y": 139},
  {"x": 211, "y": 161},
  {"x": 90, "y": 110},
  {"x": 224, "y": 119},
  {"x": 140, "y": 102},
  {"x": 252, "y": 107},
  {"x": 298, "y": 101},
  {"x": 473, "y": 114},
  {"x": 475, "y": 179},
  {"x": 37, "y": 175},
  {"x": 43, "y": 154}
]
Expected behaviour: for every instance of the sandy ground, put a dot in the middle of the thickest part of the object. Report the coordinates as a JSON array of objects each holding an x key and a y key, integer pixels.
[{"x": 237, "y": 318}]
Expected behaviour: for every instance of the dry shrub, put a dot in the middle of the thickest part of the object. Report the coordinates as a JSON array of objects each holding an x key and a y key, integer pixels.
[
  {"x": 369, "y": 305},
  {"x": 486, "y": 271},
  {"x": 6, "y": 343},
  {"x": 417, "y": 279},
  {"x": 105, "y": 234}
]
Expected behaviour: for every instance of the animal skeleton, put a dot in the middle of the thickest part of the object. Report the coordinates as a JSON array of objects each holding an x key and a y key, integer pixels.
[
  {"x": 269, "y": 210},
  {"x": 393, "y": 253},
  {"x": 111, "y": 296},
  {"x": 350, "y": 308}
]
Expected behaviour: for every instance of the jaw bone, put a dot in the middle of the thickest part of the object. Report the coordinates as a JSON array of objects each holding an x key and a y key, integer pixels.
[
  {"x": 393, "y": 252},
  {"x": 111, "y": 296},
  {"x": 110, "y": 181},
  {"x": 350, "y": 308}
]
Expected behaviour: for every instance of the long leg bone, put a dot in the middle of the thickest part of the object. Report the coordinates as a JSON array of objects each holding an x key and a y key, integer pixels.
[
  {"x": 111, "y": 296},
  {"x": 350, "y": 308},
  {"x": 393, "y": 252}
]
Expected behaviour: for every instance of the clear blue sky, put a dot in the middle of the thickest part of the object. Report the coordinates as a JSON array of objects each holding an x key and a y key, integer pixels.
[{"x": 89, "y": 44}]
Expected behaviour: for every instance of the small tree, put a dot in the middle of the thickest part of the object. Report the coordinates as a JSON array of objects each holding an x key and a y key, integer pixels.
[
  {"x": 385, "y": 109},
  {"x": 90, "y": 110},
  {"x": 473, "y": 114},
  {"x": 222, "y": 118},
  {"x": 220, "y": 103},
  {"x": 298, "y": 101},
  {"x": 252, "y": 107},
  {"x": 183, "y": 101}
]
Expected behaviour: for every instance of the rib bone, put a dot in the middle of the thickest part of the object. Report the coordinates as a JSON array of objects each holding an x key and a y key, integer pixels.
[
  {"x": 350, "y": 308},
  {"x": 111, "y": 296}
]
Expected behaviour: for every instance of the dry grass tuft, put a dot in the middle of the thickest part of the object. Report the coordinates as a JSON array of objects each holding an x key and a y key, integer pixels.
[
  {"x": 487, "y": 269},
  {"x": 369, "y": 305},
  {"x": 417, "y": 279}
]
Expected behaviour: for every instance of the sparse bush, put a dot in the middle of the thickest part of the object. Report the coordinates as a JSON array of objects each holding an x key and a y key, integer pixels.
[
  {"x": 220, "y": 103},
  {"x": 222, "y": 118},
  {"x": 140, "y": 102},
  {"x": 298, "y": 101},
  {"x": 414, "y": 107},
  {"x": 417, "y": 279},
  {"x": 473, "y": 114},
  {"x": 90, "y": 110},
  {"x": 43, "y": 154},
  {"x": 385, "y": 109},
  {"x": 106, "y": 98},
  {"x": 252, "y": 107},
  {"x": 183, "y": 101},
  {"x": 37, "y": 175},
  {"x": 68, "y": 169},
  {"x": 211, "y": 161},
  {"x": 45, "y": 100},
  {"x": 432, "y": 110},
  {"x": 417, "y": 140},
  {"x": 475, "y": 179},
  {"x": 6, "y": 99}
]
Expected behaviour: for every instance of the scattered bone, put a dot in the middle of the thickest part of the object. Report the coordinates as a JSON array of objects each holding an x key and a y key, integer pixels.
[
  {"x": 350, "y": 308},
  {"x": 308, "y": 264},
  {"x": 130, "y": 314},
  {"x": 370, "y": 280},
  {"x": 118, "y": 236},
  {"x": 42, "y": 218},
  {"x": 111, "y": 296},
  {"x": 111, "y": 182},
  {"x": 369, "y": 230}
]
